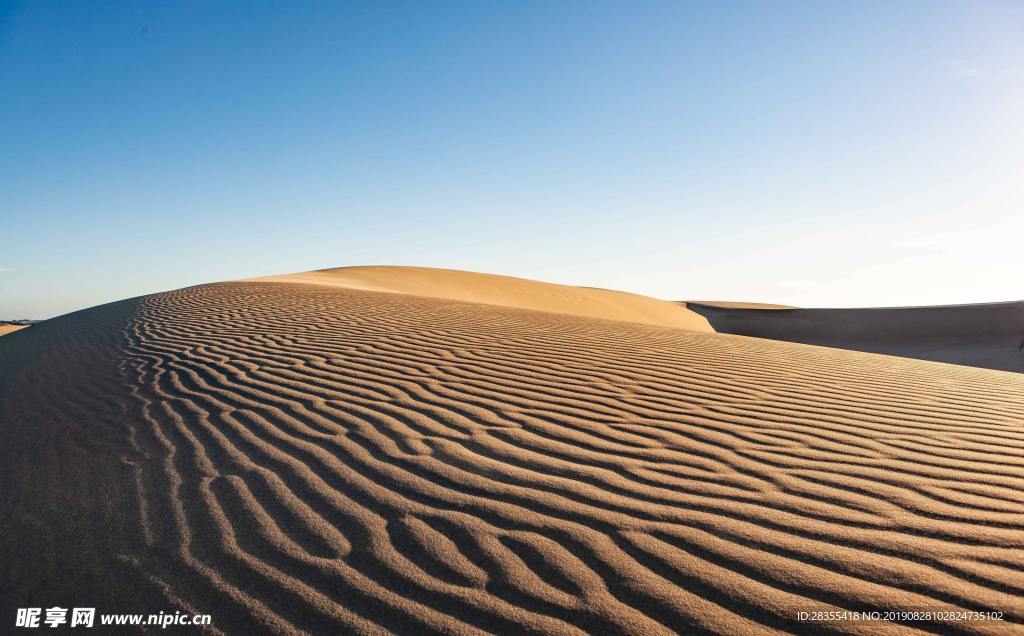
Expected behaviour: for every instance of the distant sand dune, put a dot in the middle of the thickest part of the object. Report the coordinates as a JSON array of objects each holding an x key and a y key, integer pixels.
[
  {"x": 732, "y": 304},
  {"x": 985, "y": 335},
  {"x": 305, "y": 458},
  {"x": 6, "y": 329}
]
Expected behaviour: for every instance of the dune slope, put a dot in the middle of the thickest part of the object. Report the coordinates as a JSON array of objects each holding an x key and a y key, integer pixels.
[
  {"x": 505, "y": 291},
  {"x": 305, "y": 458},
  {"x": 985, "y": 335}
]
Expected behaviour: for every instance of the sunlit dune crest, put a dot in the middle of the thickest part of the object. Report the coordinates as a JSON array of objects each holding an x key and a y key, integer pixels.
[{"x": 506, "y": 291}]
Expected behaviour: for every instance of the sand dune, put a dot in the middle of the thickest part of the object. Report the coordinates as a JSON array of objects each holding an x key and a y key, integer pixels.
[
  {"x": 732, "y": 304},
  {"x": 505, "y": 291},
  {"x": 306, "y": 458},
  {"x": 6, "y": 329},
  {"x": 984, "y": 335}
]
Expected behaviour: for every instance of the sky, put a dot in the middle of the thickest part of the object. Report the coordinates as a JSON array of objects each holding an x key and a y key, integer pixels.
[{"x": 818, "y": 154}]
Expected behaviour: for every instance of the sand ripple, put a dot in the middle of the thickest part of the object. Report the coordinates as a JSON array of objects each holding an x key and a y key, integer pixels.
[{"x": 294, "y": 458}]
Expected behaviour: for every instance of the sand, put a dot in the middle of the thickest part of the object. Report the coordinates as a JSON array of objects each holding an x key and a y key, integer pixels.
[
  {"x": 505, "y": 291},
  {"x": 6, "y": 329},
  {"x": 987, "y": 335},
  {"x": 733, "y": 304},
  {"x": 310, "y": 458}
]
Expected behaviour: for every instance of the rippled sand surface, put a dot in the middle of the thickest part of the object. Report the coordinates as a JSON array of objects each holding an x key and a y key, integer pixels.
[{"x": 304, "y": 458}]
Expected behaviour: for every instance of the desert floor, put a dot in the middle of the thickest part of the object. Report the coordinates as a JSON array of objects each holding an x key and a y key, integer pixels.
[{"x": 300, "y": 457}]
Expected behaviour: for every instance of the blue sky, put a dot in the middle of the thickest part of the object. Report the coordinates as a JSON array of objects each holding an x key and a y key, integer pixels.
[{"x": 811, "y": 153}]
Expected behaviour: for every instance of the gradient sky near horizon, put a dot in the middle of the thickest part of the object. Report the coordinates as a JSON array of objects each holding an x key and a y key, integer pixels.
[{"x": 808, "y": 153}]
